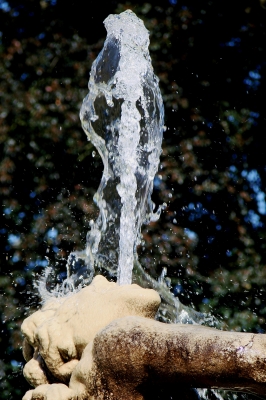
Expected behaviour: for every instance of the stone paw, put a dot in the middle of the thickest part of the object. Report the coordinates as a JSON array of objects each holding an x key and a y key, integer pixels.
[{"x": 56, "y": 391}]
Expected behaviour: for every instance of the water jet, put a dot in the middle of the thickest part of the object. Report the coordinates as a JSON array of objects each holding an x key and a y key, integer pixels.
[{"x": 91, "y": 331}]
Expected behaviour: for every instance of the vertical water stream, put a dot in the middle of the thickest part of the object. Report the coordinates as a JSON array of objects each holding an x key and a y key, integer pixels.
[{"x": 123, "y": 116}]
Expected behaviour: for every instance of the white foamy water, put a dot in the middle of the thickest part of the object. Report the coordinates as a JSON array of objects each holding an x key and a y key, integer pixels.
[{"x": 123, "y": 116}]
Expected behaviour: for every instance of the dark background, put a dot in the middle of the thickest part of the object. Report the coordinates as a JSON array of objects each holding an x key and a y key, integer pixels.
[{"x": 210, "y": 58}]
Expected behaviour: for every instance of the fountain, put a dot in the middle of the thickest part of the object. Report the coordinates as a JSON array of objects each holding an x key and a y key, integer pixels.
[
  {"x": 90, "y": 330},
  {"x": 123, "y": 117}
]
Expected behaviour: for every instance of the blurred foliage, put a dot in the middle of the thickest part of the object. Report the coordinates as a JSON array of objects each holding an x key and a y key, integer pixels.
[{"x": 210, "y": 59}]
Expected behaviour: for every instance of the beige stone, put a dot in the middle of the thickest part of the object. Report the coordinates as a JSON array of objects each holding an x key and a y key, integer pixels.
[
  {"x": 148, "y": 354},
  {"x": 106, "y": 341},
  {"x": 54, "y": 392},
  {"x": 62, "y": 329},
  {"x": 35, "y": 370},
  {"x": 30, "y": 324}
]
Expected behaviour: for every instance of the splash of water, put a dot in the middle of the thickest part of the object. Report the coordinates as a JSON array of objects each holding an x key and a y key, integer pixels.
[{"x": 123, "y": 116}]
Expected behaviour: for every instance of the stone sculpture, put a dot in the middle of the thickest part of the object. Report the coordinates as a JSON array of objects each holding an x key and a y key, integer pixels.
[{"x": 103, "y": 343}]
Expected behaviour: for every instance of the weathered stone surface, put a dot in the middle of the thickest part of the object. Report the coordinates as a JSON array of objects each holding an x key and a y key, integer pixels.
[
  {"x": 56, "y": 391},
  {"x": 106, "y": 341},
  {"x": 146, "y": 354},
  {"x": 61, "y": 330},
  {"x": 35, "y": 370}
]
